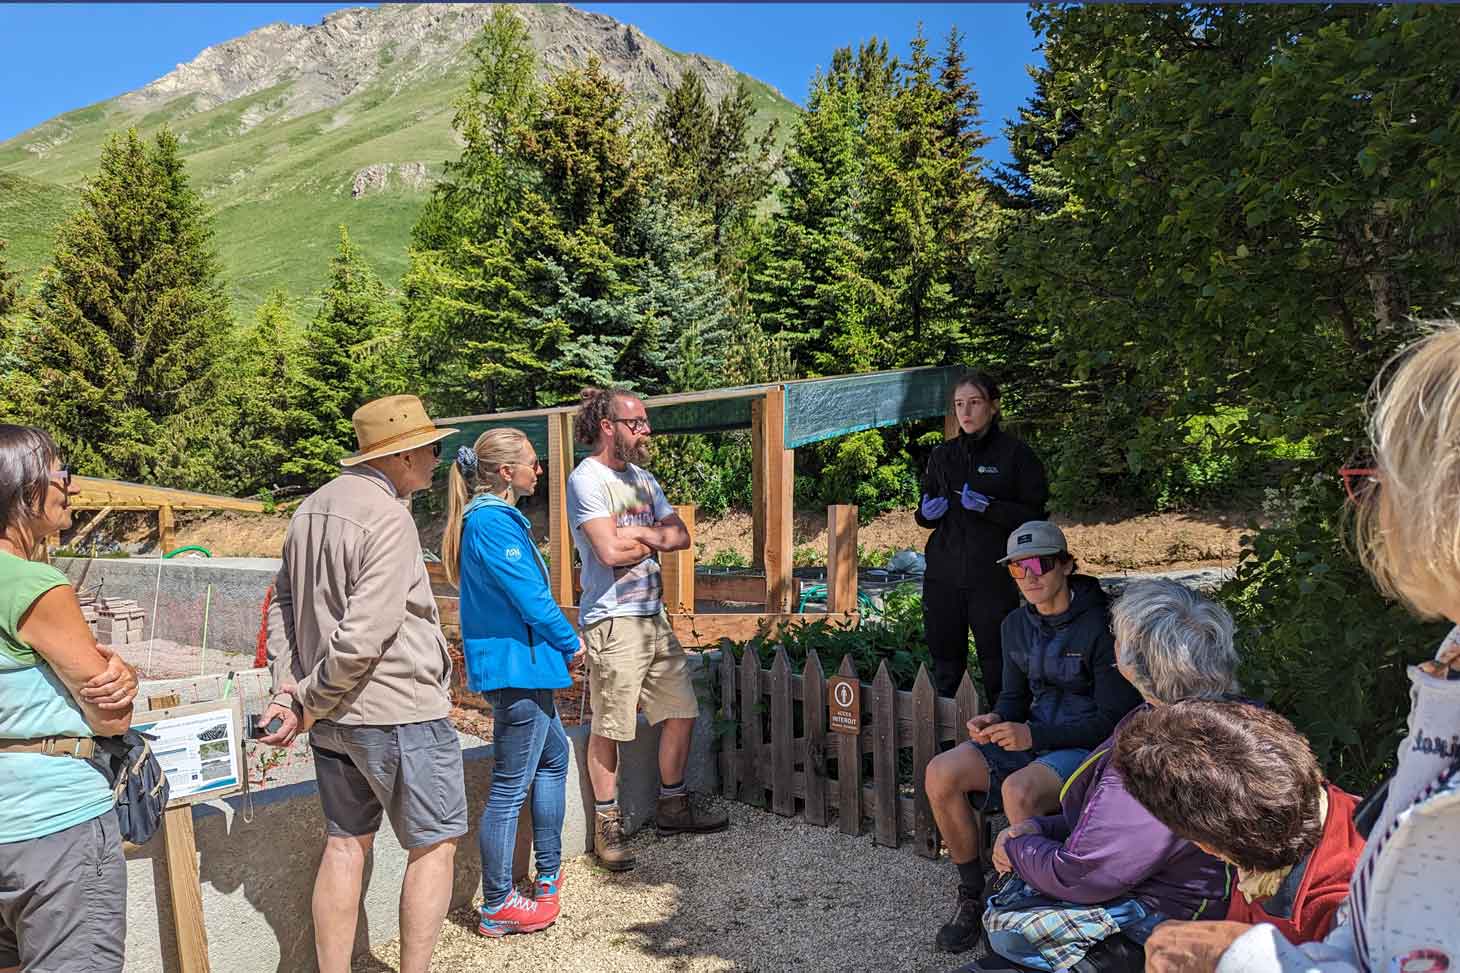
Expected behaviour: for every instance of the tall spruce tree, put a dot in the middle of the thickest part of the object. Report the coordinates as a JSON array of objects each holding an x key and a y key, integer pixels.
[
  {"x": 130, "y": 321},
  {"x": 264, "y": 390},
  {"x": 353, "y": 355}
]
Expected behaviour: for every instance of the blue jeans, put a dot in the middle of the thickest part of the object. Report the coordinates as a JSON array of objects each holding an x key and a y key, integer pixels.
[{"x": 531, "y": 749}]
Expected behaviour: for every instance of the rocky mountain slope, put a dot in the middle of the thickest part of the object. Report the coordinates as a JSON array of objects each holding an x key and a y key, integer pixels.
[{"x": 290, "y": 131}]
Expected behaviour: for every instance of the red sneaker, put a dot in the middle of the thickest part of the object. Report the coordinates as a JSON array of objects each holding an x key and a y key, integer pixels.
[{"x": 518, "y": 914}]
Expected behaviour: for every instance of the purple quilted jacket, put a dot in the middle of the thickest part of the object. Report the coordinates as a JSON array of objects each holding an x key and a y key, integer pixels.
[{"x": 1103, "y": 845}]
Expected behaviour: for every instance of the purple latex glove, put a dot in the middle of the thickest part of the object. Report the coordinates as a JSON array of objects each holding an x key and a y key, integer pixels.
[
  {"x": 972, "y": 500},
  {"x": 933, "y": 507}
]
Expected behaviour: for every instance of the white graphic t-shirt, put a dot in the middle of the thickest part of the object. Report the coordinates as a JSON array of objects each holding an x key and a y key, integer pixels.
[{"x": 631, "y": 498}]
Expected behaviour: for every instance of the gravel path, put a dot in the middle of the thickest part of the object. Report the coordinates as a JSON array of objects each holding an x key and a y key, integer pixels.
[{"x": 770, "y": 894}]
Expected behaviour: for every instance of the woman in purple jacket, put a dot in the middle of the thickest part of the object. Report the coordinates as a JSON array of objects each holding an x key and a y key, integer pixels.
[{"x": 1103, "y": 865}]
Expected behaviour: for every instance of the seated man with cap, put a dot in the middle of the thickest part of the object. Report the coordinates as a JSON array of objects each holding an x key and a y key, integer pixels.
[
  {"x": 1061, "y": 695},
  {"x": 360, "y": 663}
]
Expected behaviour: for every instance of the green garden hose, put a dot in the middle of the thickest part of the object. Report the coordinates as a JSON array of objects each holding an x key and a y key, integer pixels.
[
  {"x": 190, "y": 547},
  {"x": 817, "y": 593}
]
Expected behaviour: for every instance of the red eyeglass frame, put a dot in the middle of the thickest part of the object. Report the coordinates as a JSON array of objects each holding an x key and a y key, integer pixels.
[{"x": 1350, "y": 474}]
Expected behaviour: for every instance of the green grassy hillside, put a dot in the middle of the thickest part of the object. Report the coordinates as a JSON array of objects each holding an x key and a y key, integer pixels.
[{"x": 279, "y": 187}]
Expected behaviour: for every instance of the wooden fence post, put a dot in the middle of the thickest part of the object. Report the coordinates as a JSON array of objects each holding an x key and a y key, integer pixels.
[
  {"x": 813, "y": 719},
  {"x": 751, "y": 735},
  {"x": 166, "y": 532},
  {"x": 783, "y": 756},
  {"x": 560, "y": 537},
  {"x": 678, "y": 569},
  {"x": 925, "y": 747},
  {"x": 730, "y": 762},
  {"x": 773, "y": 484},
  {"x": 841, "y": 558},
  {"x": 884, "y": 757},
  {"x": 966, "y": 706},
  {"x": 849, "y": 769}
]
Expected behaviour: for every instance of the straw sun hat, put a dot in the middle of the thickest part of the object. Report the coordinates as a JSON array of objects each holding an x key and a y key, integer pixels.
[{"x": 393, "y": 424}]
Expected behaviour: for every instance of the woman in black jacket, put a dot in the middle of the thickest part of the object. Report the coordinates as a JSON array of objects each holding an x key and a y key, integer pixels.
[{"x": 978, "y": 488}]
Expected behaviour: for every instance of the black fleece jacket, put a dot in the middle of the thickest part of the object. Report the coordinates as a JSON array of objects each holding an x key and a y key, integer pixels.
[
  {"x": 965, "y": 546},
  {"x": 1060, "y": 674}
]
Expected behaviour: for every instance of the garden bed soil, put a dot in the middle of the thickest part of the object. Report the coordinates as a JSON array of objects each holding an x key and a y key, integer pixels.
[
  {"x": 1104, "y": 543},
  {"x": 771, "y": 894},
  {"x": 1112, "y": 542}
]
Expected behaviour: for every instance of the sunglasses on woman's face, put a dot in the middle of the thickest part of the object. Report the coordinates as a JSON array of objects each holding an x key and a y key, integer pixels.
[
  {"x": 62, "y": 477},
  {"x": 1032, "y": 565}
]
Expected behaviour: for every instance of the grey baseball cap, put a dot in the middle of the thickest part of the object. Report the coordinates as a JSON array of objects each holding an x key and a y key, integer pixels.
[{"x": 1034, "y": 538}]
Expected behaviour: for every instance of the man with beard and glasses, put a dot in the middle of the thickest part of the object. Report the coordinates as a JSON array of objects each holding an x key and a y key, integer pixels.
[{"x": 621, "y": 520}]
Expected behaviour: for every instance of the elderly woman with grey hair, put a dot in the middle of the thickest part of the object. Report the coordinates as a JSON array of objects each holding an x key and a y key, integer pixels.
[{"x": 1091, "y": 882}]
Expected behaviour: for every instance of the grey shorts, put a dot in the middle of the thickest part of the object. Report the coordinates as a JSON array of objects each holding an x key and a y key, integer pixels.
[
  {"x": 411, "y": 772},
  {"x": 63, "y": 900}
]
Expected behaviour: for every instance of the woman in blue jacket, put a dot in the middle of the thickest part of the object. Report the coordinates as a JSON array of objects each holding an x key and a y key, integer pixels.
[{"x": 518, "y": 647}]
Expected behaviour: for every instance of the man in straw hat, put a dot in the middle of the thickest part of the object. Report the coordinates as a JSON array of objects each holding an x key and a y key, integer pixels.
[{"x": 359, "y": 661}]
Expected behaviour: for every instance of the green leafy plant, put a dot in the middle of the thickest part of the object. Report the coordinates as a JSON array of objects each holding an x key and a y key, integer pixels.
[
  {"x": 1318, "y": 642},
  {"x": 726, "y": 558}
]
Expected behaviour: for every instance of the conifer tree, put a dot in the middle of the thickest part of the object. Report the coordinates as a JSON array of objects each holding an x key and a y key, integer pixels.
[
  {"x": 353, "y": 356},
  {"x": 130, "y": 322},
  {"x": 264, "y": 389}
]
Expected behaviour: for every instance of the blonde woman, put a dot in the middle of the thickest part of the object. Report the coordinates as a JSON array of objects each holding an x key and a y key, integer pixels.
[
  {"x": 1403, "y": 910},
  {"x": 518, "y": 646}
]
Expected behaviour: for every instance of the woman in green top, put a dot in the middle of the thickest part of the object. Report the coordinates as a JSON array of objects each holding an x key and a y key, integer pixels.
[{"x": 63, "y": 882}]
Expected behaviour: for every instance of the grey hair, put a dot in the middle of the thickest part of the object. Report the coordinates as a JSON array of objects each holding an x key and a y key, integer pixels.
[
  {"x": 26, "y": 455},
  {"x": 1174, "y": 643}
]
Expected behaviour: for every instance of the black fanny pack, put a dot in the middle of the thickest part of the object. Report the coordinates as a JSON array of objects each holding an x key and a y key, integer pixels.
[{"x": 138, "y": 783}]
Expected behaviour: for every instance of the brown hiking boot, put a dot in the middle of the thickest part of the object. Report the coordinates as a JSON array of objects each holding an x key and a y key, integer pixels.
[
  {"x": 610, "y": 846},
  {"x": 676, "y": 815}
]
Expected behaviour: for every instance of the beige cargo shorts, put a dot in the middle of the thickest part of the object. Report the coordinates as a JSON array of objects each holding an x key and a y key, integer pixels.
[{"x": 633, "y": 661}]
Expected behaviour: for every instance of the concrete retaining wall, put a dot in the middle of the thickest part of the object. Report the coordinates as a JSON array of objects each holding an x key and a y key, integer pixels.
[
  {"x": 257, "y": 870},
  {"x": 238, "y": 587}
]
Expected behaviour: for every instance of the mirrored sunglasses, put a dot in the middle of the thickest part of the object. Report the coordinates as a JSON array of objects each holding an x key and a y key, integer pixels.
[{"x": 1033, "y": 565}]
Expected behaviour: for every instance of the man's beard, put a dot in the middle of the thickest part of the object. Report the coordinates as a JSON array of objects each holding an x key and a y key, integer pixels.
[{"x": 624, "y": 453}]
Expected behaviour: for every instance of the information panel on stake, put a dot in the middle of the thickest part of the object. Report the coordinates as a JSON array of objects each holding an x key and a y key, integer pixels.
[
  {"x": 844, "y": 704},
  {"x": 199, "y": 747}
]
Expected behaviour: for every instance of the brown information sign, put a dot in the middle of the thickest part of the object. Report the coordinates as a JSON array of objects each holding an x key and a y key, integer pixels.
[{"x": 844, "y": 700}]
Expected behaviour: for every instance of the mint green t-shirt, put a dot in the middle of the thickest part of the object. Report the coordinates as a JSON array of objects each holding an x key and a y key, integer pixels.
[{"x": 42, "y": 794}]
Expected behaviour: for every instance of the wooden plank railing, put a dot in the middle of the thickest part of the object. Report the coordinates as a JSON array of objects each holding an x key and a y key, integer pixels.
[{"x": 777, "y": 750}]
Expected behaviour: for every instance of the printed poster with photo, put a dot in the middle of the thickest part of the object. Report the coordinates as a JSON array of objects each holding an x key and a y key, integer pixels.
[{"x": 199, "y": 748}]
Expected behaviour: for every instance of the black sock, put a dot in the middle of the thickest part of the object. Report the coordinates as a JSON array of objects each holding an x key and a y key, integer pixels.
[
  {"x": 970, "y": 878},
  {"x": 603, "y": 807},
  {"x": 672, "y": 790}
]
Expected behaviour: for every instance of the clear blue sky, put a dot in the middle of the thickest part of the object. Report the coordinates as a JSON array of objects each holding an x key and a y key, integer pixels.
[{"x": 55, "y": 58}]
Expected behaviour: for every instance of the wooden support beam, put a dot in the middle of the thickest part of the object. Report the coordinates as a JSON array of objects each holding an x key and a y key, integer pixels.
[
  {"x": 841, "y": 558},
  {"x": 96, "y": 493},
  {"x": 678, "y": 569},
  {"x": 85, "y": 532},
  {"x": 559, "y": 461},
  {"x": 775, "y": 504},
  {"x": 166, "y": 529},
  {"x": 187, "y": 891}
]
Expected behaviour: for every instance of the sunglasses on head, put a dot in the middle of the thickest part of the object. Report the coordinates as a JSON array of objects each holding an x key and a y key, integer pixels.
[{"x": 1033, "y": 565}]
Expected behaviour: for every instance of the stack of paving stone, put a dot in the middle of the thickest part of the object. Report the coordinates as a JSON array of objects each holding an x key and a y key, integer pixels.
[
  {"x": 119, "y": 621},
  {"x": 89, "y": 612}
]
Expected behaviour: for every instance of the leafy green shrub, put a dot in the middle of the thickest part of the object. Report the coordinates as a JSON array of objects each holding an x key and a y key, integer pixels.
[
  {"x": 876, "y": 557},
  {"x": 712, "y": 471},
  {"x": 871, "y": 469},
  {"x": 1318, "y": 642},
  {"x": 806, "y": 556},
  {"x": 727, "y": 558}
]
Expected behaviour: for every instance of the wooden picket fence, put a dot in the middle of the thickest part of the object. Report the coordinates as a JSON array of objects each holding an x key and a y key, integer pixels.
[{"x": 778, "y": 751}]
